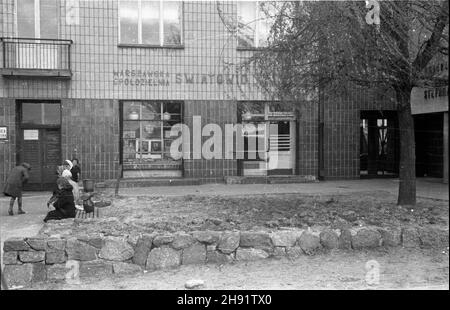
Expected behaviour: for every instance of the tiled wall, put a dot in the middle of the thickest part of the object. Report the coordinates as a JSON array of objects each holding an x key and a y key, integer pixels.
[
  {"x": 90, "y": 132},
  {"x": 207, "y": 68},
  {"x": 211, "y": 112},
  {"x": 341, "y": 128},
  {"x": 7, "y": 148},
  {"x": 203, "y": 74}
]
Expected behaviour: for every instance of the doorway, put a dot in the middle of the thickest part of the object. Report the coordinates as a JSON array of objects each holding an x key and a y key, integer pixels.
[
  {"x": 379, "y": 144},
  {"x": 281, "y": 151},
  {"x": 269, "y": 139},
  {"x": 39, "y": 142}
]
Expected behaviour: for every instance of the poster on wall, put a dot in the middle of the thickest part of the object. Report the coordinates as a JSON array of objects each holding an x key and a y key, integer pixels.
[
  {"x": 31, "y": 134},
  {"x": 3, "y": 133}
]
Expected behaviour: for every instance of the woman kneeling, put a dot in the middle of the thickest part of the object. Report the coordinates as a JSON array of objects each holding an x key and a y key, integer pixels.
[{"x": 64, "y": 203}]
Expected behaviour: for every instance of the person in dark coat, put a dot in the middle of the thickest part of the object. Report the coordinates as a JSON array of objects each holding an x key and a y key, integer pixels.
[
  {"x": 75, "y": 170},
  {"x": 62, "y": 201},
  {"x": 17, "y": 178}
]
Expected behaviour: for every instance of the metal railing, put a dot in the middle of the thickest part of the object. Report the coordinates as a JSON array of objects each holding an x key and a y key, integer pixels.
[{"x": 30, "y": 53}]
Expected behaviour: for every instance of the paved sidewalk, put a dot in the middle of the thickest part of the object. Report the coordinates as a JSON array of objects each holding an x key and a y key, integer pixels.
[
  {"x": 426, "y": 188},
  {"x": 25, "y": 225}
]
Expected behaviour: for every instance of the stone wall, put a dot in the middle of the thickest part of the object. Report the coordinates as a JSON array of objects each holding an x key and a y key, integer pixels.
[{"x": 43, "y": 258}]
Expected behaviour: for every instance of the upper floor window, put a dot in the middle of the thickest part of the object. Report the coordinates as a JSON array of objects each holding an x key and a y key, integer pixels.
[
  {"x": 37, "y": 19},
  {"x": 150, "y": 22},
  {"x": 254, "y": 23}
]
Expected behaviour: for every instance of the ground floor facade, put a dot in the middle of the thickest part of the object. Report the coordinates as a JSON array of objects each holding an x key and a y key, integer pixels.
[
  {"x": 430, "y": 112},
  {"x": 342, "y": 138}
]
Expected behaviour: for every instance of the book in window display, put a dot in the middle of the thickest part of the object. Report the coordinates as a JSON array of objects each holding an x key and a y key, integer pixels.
[{"x": 150, "y": 149}]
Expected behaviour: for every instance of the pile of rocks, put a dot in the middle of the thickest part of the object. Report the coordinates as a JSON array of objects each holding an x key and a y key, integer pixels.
[{"x": 43, "y": 258}]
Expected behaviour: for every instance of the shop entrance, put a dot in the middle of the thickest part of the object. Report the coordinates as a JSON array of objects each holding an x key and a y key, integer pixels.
[
  {"x": 274, "y": 134},
  {"x": 379, "y": 144},
  {"x": 281, "y": 153},
  {"x": 39, "y": 142}
]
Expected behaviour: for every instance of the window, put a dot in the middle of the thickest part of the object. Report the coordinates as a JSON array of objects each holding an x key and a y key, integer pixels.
[
  {"x": 37, "y": 19},
  {"x": 146, "y": 130},
  {"x": 41, "y": 113},
  {"x": 254, "y": 23},
  {"x": 150, "y": 22}
]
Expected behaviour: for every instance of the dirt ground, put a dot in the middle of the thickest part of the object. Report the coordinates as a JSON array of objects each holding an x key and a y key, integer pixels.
[
  {"x": 272, "y": 211},
  {"x": 399, "y": 269}
]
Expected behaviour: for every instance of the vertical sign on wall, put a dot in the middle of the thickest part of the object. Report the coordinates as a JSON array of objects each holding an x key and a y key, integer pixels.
[{"x": 72, "y": 12}]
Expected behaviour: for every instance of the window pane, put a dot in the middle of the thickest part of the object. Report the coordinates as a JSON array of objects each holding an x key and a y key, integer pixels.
[
  {"x": 41, "y": 113},
  {"x": 131, "y": 110},
  {"x": 49, "y": 19},
  {"x": 52, "y": 114},
  {"x": 151, "y": 130},
  {"x": 151, "y": 110},
  {"x": 246, "y": 23},
  {"x": 266, "y": 17},
  {"x": 25, "y": 18},
  {"x": 131, "y": 129},
  {"x": 129, "y": 19},
  {"x": 150, "y": 22},
  {"x": 172, "y": 22},
  {"x": 32, "y": 113}
]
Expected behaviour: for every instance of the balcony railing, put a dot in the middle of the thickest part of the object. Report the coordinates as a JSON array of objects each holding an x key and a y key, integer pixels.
[{"x": 36, "y": 57}]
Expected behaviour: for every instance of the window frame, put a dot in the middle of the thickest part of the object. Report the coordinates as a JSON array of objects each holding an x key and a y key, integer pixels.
[
  {"x": 19, "y": 116},
  {"x": 140, "y": 160},
  {"x": 161, "y": 27},
  {"x": 37, "y": 20},
  {"x": 257, "y": 23}
]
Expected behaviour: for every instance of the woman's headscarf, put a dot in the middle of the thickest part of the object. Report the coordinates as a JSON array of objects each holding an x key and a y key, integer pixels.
[
  {"x": 26, "y": 165},
  {"x": 68, "y": 162}
]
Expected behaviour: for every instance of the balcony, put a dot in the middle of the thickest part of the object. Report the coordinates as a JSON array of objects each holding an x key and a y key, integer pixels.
[{"x": 26, "y": 57}]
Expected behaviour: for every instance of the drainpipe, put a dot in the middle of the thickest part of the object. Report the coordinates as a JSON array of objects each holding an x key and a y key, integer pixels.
[{"x": 320, "y": 125}]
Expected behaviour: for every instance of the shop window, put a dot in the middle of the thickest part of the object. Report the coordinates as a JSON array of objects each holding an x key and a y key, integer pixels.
[
  {"x": 146, "y": 130},
  {"x": 254, "y": 23},
  {"x": 150, "y": 22},
  {"x": 41, "y": 114}
]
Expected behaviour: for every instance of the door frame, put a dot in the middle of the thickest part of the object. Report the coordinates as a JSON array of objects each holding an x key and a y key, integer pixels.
[
  {"x": 20, "y": 127},
  {"x": 392, "y": 117}
]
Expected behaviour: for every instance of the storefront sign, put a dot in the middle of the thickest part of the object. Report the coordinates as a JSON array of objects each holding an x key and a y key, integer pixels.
[
  {"x": 139, "y": 78},
  {"x": 3, "y": 133},
  {"x": 31, "y": 134},
  {"x": 429, "y": 100}
]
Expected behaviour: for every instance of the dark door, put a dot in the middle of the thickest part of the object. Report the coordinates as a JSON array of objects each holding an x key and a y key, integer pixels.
[
  {"x": 39, "y": 142},
  {"x": 42, "y": 149},
  {"x": 379, "y": 144}
]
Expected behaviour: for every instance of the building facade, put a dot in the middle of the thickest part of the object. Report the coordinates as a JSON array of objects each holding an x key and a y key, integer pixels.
[
  {"x": 430, "y": 109},
  {"x": 106, "y": 81}
]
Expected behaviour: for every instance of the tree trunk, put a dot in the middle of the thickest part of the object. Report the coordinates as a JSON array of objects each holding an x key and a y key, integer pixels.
[{"x": 407, "y": 169}]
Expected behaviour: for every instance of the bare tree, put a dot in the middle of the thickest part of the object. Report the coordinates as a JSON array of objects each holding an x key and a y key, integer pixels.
[{"x": 330, "y": 45}]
